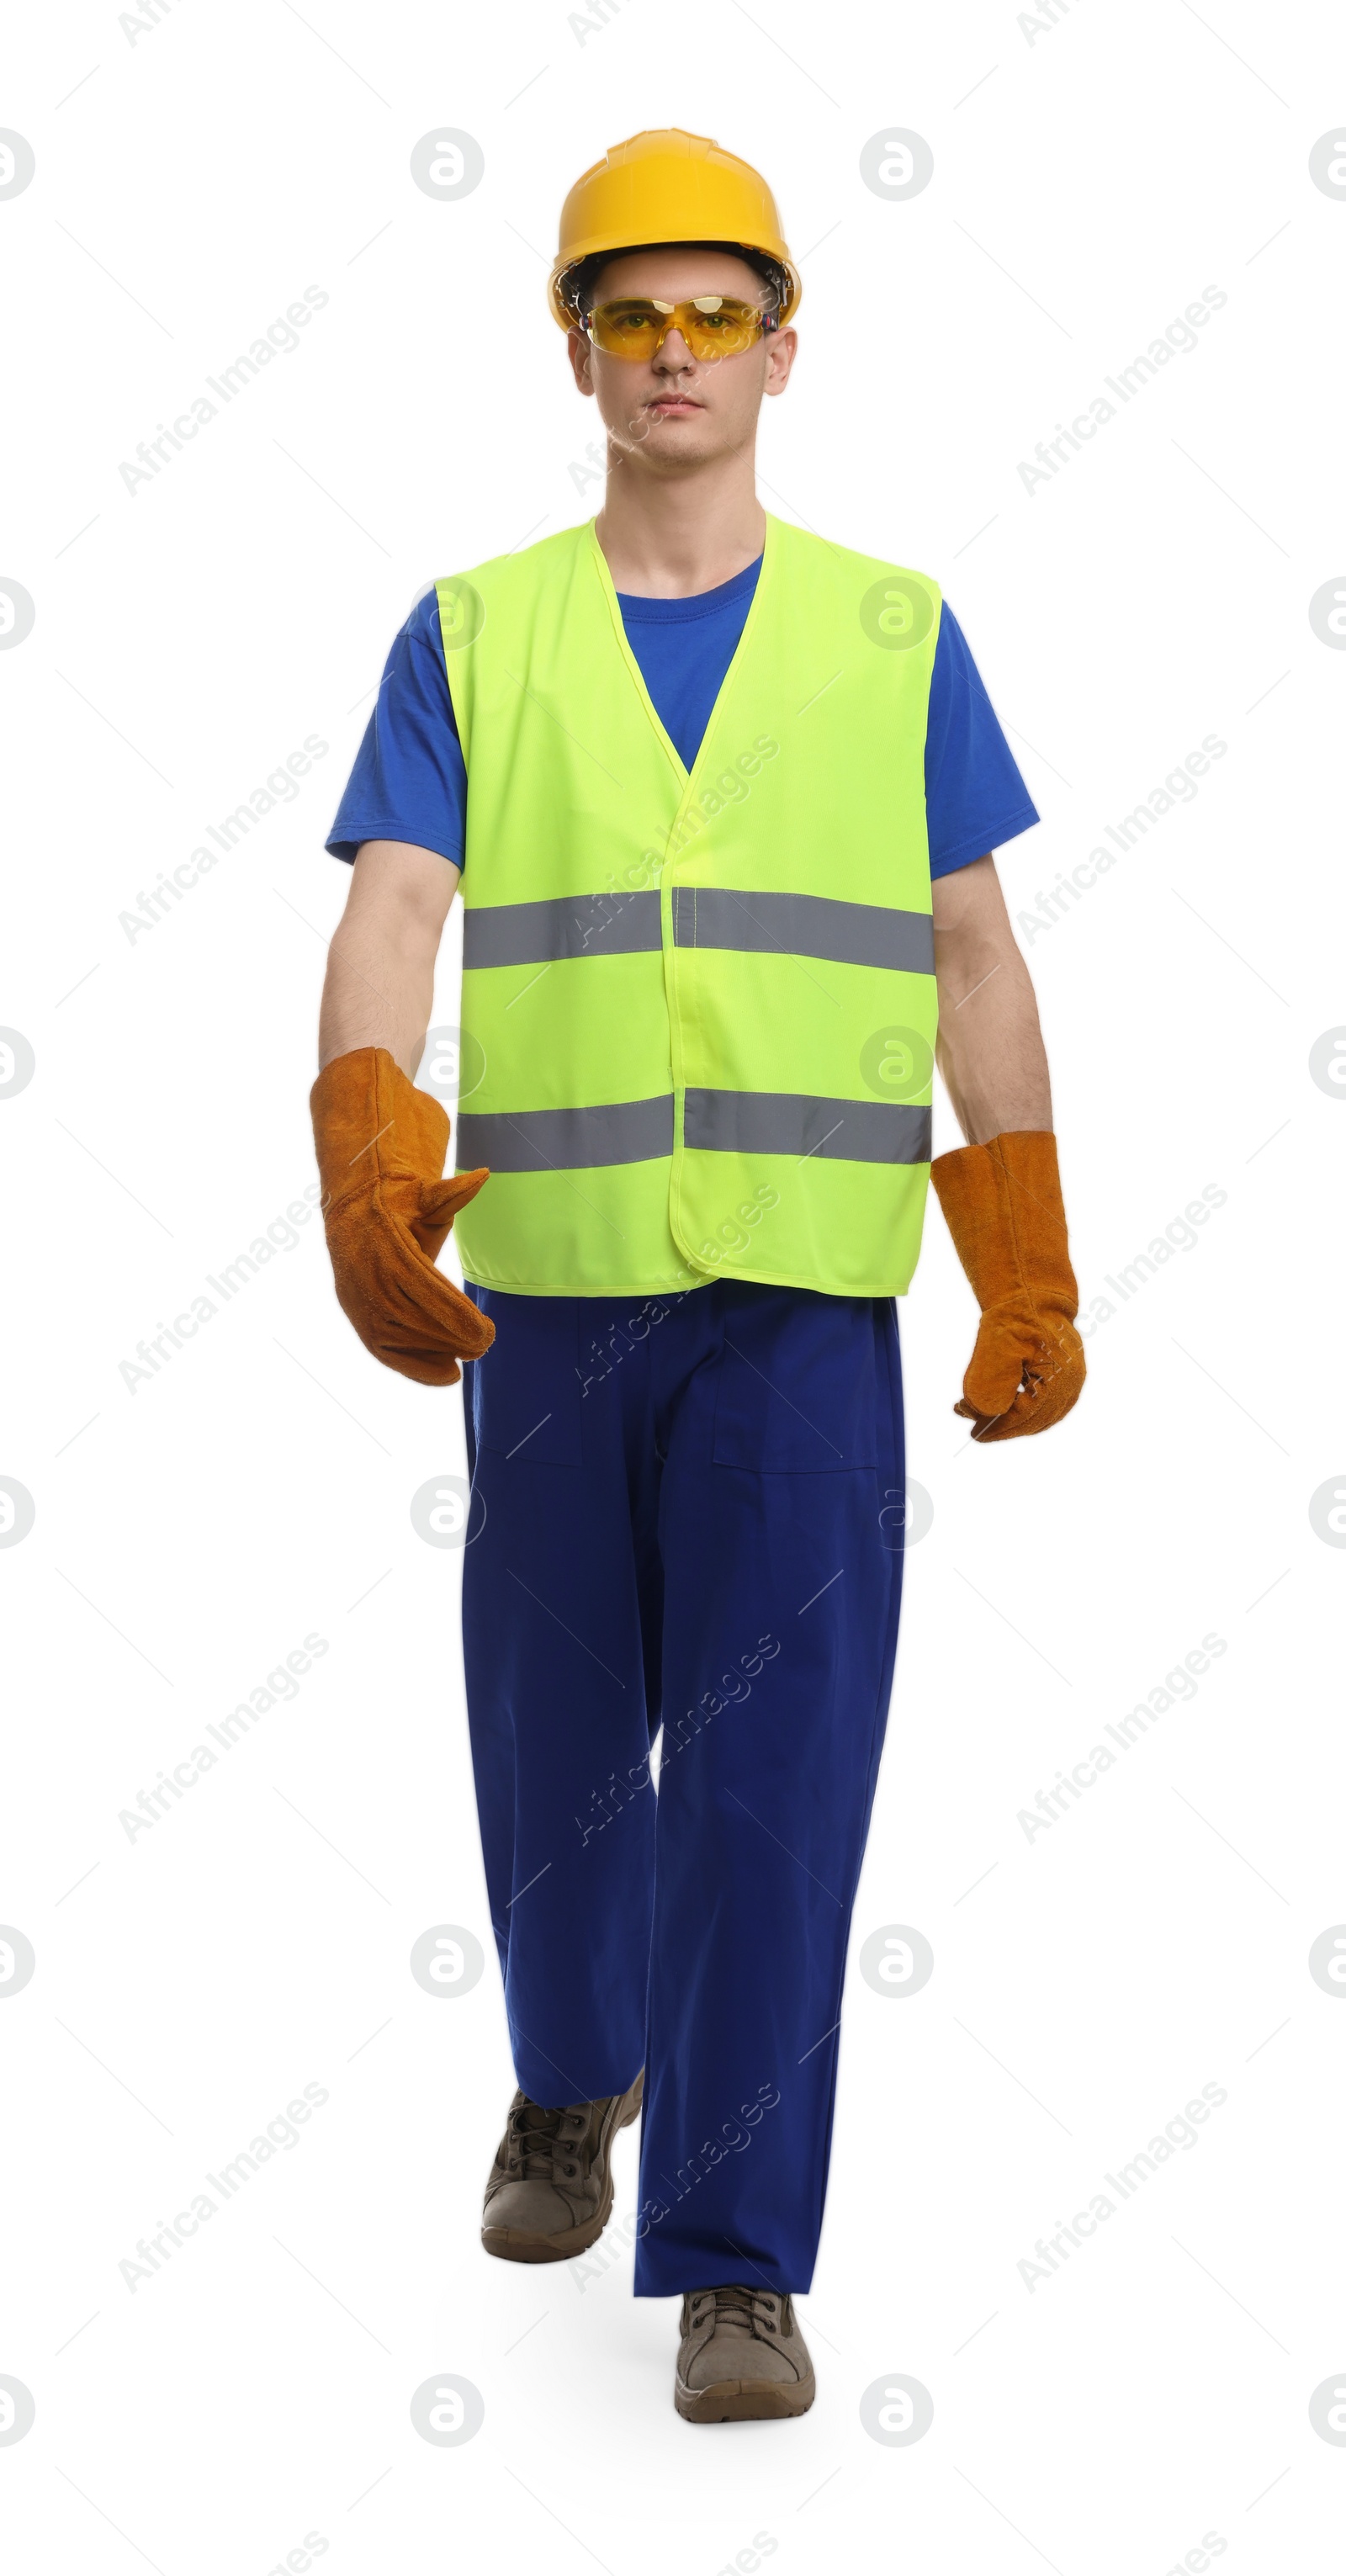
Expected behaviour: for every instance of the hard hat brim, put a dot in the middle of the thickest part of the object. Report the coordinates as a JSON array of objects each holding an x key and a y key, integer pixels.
[{"x": 567, "y": 315}]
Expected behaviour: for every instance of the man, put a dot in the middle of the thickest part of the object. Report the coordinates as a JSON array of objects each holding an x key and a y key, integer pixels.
[{"x": 721, "y": 798}]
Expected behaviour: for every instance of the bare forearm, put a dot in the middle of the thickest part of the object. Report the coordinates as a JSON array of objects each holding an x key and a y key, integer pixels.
[
  {"x": 989, "y": 1051},
  {"x": 378, "y": 993},
  {"x": 380, "y": 983}
]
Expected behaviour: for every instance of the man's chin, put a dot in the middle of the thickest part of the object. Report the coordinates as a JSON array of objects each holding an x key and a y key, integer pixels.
[{"x": 677, "y": 434}]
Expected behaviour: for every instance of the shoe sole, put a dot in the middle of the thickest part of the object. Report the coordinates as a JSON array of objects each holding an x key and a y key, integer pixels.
[
  {"x": 744, "y": 2401},
  {"x": 529, "y": 2245}
]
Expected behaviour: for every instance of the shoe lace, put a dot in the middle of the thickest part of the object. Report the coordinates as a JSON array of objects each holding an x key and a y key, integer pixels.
[
  {"x": 540, "y": 2142},
  {"x": 737, "y": 2304}
]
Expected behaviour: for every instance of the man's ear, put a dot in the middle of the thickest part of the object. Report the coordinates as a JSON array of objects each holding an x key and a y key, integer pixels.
[
  {"x": 577, "y": 343},
  {"x": 783, "y": 348}
]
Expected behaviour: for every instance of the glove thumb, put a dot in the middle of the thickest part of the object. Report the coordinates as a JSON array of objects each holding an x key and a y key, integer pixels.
[{"x": 440, "y": 1202}]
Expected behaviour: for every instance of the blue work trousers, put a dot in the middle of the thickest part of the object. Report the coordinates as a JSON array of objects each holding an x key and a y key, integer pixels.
[{"x": 687, "y": 1512}]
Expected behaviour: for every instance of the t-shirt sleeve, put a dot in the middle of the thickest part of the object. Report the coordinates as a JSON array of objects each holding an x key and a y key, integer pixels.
[
  {"x": 409, "y": 782},
  {"x": 974, "y": 796}
]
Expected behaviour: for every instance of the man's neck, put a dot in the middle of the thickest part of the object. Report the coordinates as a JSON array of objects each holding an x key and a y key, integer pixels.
[{"x": 670, "y": 536}]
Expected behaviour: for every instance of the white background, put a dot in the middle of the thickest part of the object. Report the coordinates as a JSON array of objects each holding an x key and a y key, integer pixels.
[{"x": 1091, "y": 177}]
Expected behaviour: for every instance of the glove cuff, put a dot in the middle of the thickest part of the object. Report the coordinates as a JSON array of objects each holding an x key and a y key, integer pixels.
[
  {"x": 1002, "y": 1205},
  {"x": 370, "y": 1123}
]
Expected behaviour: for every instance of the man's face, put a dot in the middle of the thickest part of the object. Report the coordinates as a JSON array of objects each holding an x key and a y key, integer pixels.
[{"x": 674, "y": 412}]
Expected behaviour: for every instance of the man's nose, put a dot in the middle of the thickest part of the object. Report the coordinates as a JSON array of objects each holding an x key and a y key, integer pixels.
[{"x": 673, "y": 352}]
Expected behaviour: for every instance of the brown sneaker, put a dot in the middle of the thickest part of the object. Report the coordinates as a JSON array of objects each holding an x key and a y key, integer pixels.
[
  {"x": 549, "y": 2194},
  {"x": 742, "y": 2356}
]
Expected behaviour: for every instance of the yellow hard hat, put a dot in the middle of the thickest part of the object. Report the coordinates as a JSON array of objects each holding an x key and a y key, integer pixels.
[{"x": 668, "y": 187}]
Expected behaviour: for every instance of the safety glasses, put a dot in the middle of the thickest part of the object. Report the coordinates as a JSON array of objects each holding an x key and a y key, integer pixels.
[{"x": 713, "y": 326}]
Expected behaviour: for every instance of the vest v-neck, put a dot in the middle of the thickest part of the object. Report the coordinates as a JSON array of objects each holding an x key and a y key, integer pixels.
[{"x": 694, "y": 607}]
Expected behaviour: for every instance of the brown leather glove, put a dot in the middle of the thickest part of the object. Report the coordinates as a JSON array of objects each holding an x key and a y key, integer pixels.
[
  {"x": 381, "y": 1145},
  {"x": 1002, "y": 1205}
]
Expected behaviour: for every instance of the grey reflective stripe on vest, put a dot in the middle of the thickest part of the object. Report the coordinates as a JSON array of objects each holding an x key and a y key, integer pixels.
[
  {"x": 568, "y": 925},
  {"x": 805, "y": 925},
  {"x": 625, "y": 925},
  {"x": 799, "y": 1123},
  {"x": 566, "y": 1140}
]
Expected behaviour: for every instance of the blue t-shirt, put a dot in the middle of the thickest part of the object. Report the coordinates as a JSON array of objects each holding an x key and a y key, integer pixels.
[{"x": 409, "y": 782}]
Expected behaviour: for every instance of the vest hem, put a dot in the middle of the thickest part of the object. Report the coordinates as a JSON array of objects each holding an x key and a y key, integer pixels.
[
  {"x": 571, "y": 1288},
  {"x": 672, "y": 1287}
]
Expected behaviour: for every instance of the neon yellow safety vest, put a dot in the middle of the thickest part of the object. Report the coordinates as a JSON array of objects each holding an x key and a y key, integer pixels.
[{"x": 698, "y": 1011}]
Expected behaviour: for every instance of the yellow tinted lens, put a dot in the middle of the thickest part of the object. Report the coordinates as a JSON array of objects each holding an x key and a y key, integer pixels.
[
  {"x": 627, "y": 330},
  {"x": 719, "y": 326}
]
